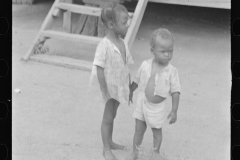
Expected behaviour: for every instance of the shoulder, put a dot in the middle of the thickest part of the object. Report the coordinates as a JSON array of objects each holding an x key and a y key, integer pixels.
[
  {"x": 172, "y": 68},
  {"x": 173, "y": 71},
  {"x": 103, "y": 43},
  {"x": 146, "y": 65},
  {"x": 147, "y": 62}
]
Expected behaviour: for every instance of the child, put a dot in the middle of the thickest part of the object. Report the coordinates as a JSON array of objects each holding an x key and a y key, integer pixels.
[
  {"x": 110, "y": 66},
  {"x": 156, "y": 79}
]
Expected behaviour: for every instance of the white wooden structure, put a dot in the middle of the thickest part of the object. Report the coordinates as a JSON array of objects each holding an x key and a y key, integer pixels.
[
  {"x": 67, "y": 8},
  {"x": 90, "y": 13},
  {"x": 224, "y": 4}
]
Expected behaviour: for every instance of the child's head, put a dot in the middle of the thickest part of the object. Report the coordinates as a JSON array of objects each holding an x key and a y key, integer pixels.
[
  {"x": 115, "y": 17},
  {"x": 162, "y": 45}
]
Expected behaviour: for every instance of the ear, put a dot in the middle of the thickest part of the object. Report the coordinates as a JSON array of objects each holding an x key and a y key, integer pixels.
[{"x": 110, "y": 24}]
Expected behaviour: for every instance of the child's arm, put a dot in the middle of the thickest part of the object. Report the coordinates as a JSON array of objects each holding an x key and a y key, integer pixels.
[
  {"x": 175, "y": 101},
  {"x": 133, "y": 87},
  {"x": 102, "y": 80},
  {"x": 175, "y": 92}
]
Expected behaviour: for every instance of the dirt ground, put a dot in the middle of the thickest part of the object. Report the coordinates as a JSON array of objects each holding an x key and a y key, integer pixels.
[{"x": 54, "y": 118}]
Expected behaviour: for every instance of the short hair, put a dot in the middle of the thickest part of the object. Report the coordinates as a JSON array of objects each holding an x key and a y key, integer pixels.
[
  {"x": 161, "y": 32},
  {"x": 110, "y": 11}
]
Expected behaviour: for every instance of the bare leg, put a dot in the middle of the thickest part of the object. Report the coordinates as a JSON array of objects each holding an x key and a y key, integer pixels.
[
  {"x": 157, "y": 140},
  {"x": 140, "y": 129},
  {"x": 107, "y": 122},
  {"x": 112, "y": 144}
]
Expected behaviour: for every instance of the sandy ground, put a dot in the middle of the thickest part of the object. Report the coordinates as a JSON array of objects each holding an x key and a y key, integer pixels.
[{"x": 54, "y": 118}]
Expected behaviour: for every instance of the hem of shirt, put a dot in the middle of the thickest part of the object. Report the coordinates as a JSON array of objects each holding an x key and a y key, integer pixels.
[
  {"x": 98, "y": 64},
  {"x": 175, "y": 92}
]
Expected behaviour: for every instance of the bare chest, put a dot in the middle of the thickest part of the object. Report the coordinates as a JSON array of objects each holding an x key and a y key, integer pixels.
[{"x": 150, "y": 88}]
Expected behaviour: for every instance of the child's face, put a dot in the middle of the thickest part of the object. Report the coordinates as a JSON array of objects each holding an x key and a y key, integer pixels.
[
  {"x": 121, "y": 24},
  {"x": 163, "y": 50}
]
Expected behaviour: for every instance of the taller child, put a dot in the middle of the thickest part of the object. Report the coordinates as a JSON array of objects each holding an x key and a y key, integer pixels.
[{"x": 110, "y": 63}]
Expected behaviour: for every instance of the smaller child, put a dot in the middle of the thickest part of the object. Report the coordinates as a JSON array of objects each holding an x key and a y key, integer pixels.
[
  {"x": 156, "y": 79},
  {"x": 110, "y": 68}
]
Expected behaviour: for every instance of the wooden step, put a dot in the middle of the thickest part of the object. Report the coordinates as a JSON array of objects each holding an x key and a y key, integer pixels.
[
  {"x": 62, "y": 61},
  {"x": 81, "y": 9},
  {"x": 100, "y": 2},
  {"x": 73, "y": 37}
]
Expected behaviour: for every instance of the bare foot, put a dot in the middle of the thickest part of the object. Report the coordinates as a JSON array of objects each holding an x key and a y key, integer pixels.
[
  {"x": 133, "y": 156},
  {"x": 108, "y": 155},
  {"x": 115, "y": 146}
]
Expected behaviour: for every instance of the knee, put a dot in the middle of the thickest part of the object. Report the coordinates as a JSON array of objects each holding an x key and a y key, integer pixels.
[
  {"x": 115, "y": 107},
  {"x": 157, "y": 134},
  {"x": 109, "y": 115}
]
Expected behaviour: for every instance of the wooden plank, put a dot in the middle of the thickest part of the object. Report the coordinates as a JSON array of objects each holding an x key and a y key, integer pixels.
[
  {"x": 82, "y": 9},
  {"x": 135, "y": 22},
  {"x": 225, "y": 4},
  {"x": 62, "y": 61},
  {"x": 72, "y": 37},
  {"x": 80, "y": 24},
  {"x": 48, "y": 22},
  {"x": 67, "y": 19},
  {"x": 88, "y": 10},
  {"x": 56, "y": 12},
  {"x": 100, "y": 2}
]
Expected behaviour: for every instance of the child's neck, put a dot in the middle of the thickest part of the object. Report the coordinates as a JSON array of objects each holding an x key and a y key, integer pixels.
[
  {"x": 161, "y": 65},
  {"x": 112, "y": 36}
]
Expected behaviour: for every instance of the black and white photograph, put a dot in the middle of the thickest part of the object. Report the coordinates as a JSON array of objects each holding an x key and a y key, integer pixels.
[{"x": 121, "y": 79}]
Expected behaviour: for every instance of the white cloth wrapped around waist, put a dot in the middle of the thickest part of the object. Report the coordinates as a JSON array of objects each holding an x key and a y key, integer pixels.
[{"x": 154, "y": 113}]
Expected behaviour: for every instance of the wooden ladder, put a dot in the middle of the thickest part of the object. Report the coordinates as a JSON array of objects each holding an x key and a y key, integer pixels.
[{"x": 67, "y": 7}]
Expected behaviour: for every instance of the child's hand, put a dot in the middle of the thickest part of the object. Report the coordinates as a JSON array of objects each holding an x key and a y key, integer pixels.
[{"x": 173, "y": 117}]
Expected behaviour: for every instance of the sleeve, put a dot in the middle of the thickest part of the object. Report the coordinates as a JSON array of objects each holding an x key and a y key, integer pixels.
[
  {"x": 138, "y": 75},
  {"x": 100, "y": 56},
  {"x": 174, "y": 81}
]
